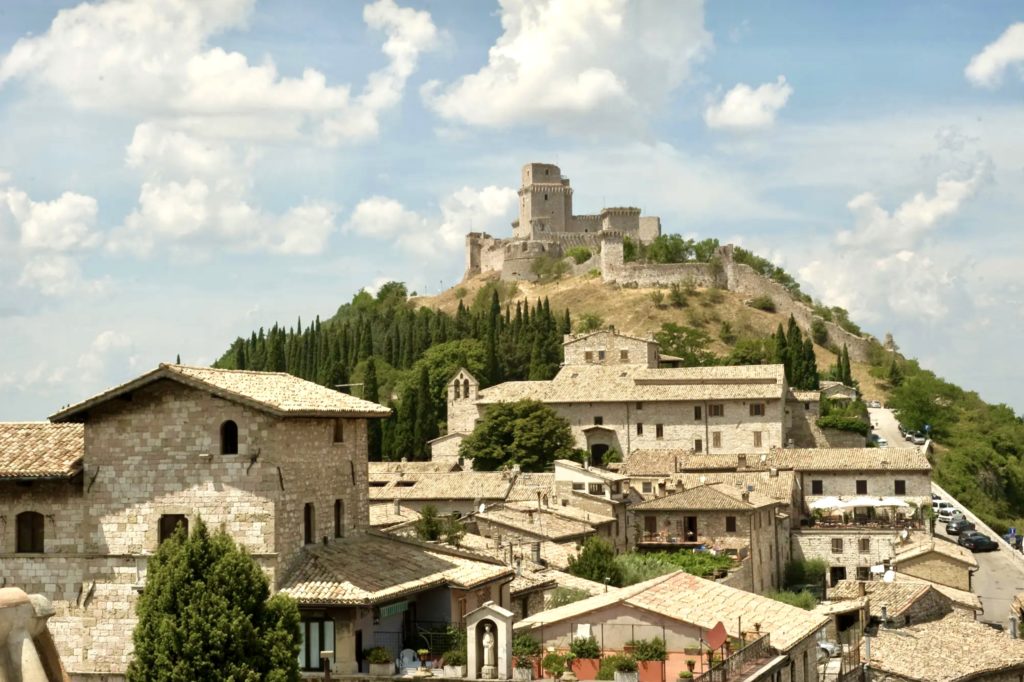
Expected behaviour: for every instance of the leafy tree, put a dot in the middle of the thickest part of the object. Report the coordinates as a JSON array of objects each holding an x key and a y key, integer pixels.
[
  {"x": 819, "y": 332},
  {"x": 630, "y": 250},
  {"x": 764, "y": 303},
  {"x": 596, "y": 561},
  {"x": 670, "y": 248},
  {"x": 895, "y": 374},
  {"x": 589, "y": 322},
  {"x": 207, "y": 614},
  {"x": 579, "y": 254},
  {"x": 688, "y": 343},
  {"x": 429, "y": 526},
  {"x": 704, "y": 250},
  {"x": 526, "y": 433}
]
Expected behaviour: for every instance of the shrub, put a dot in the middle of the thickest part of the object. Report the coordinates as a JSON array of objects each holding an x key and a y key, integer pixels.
[
  {"x": 623, "y": 663},
  {"x": 460, "y": 293},
  {"x": 657, "y": 298},
  {"x": 589, "y": 322},
  {"x": 714, "y": 296},
  {"x": 818, "y": 331},
  {"x": 804, "y": 600},
  {"x": 429, "y": 526},
  {"x": 596, "y": 561},
  {"x": 454, "y": 657},
  {"x": 554, "y": 663},
  {"x": 547, "y": 267},
  {"x": 841, "y": 422},
  {"x": 677, "y": 295},
  {"x": 594, "y": 272},
  {"x": 566, "y": 595},
  {"x": 649, "y": 649},
  {"x": 525, "y": 648},
  {"x": 809, "y": 572},
  {"x": 580, "y": 254},
  {"x": 379, "y": 654},
  {"x": 764, "y": 303},
  {"x": 585, "y": 647},
  {"x": 726, "y": 333},
  {"x": 685, "y": 675}
]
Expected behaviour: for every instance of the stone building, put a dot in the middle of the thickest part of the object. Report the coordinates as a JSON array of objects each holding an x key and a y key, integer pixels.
[
  {"x": 278, "y": 462},
  {"x": 547, "y": 227}
]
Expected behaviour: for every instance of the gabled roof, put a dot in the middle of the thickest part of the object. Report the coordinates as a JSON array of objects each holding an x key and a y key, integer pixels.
[
  {"x": 372, "y": 568},
  {"x": 384, "y": 515},
  {"x": 40, "y": 450},
  {"x": 960, "y": 598},
  {"x": 897, "y": 598},
  {"x": 428, "y": 467},
  {"x": 278, "y": 393},
  {"x": 457, "y": 485},
  {"x": 704, "y": 603},
  {"x": 541, "y": 523},
  {"x": 709, "y": 497},
  {"x": 849, "y": 459},
  {"x": 943, "y": 548},
  {"x": 604, "y": 332}
]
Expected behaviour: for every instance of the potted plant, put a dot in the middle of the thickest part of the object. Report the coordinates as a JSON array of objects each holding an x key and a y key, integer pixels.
[
  {"x": 554, "y": 664},
  {"x": 686, "y": 674},
  {"x": 690, "y": 665},
  {"x": 626, "y": 669},
  {"x": 525, "y": 650},
  {"x": 423, "y": 654},
  {"x": 381, "y": 664},
  {"x": 586, "y": 655},
  {"x": 650, "y": 655},
  {"x": 454, "y": 663}
]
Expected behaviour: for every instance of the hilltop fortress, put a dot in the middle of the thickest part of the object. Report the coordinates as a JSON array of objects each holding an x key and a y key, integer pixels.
[{"x": 547, "y": 227}]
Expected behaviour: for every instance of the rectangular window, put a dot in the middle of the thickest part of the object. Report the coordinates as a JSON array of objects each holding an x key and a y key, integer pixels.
[
  {"x": 863, "y": 573},
  {"x": 639, "y": 406},
  {"x": 862, "y": 487},
  {"x": 588, "y": 356},
  {"x": 578, "y": 486},
  {"x": 646, "y": 486},
  {"x": 169, "y": 523},
  {"x": 817, "y": 487},
  {"x": 756, "y": 409},
  {"x": 730, "y": 524},
  {"x": 716, "y": 410},
  {"x": 339, "y": 430},
  {"x": 716, "y": 439},
  {"x": 595, "y": 489},
  {"x": 807, "y": 406},
  {"x": 659, "y": 431},
  {"x": 315, "y": 635},
  {"x": 598, "y": 421},
  {"x": 624, "y": 355},
  {"x": 639, "y": 428},
  {"x": 757, "y": 439},
  {"x": 697, "y": 413},
  {"x": 698, "y": 445},
  {"x": 901, "y": 487},
  {"x": 837, "y": 545},
  {"x": 864, "y": 545},
  {"x": 600, "y": 356}
]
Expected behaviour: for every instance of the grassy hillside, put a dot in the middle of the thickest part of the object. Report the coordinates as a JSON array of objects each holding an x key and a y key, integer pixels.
[{"x": 632, "y": 311}]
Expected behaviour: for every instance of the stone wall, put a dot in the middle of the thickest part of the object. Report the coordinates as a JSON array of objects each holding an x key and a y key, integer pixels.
[
  {"x": 835, "y": 438},
  {"x": 879, "y": 484},
  {"x": 609, "y": 348},
  {"x": 817, "y": 544},
  {"x": 615, "y": 269},
  {"x": 938, "y": 569}
]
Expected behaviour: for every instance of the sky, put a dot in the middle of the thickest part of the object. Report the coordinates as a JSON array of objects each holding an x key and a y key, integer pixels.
[{"x": 175, "y": 174}]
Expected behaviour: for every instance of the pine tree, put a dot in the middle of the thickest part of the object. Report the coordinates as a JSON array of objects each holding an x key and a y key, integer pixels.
[
  {"x": 596, "y": 562},
  {"x": 177, "y": 359},
  {"x": 207, "y": 614}
]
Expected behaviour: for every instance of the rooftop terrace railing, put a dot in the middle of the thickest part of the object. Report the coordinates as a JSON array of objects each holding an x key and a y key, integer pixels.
[{"x": 733, "y": 667}]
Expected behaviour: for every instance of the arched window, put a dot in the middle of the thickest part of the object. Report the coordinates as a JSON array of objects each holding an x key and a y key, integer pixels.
[
  {"x": 458, "y": 389},
  {"x": 309, "y": 524},
  {"x": 30, "y": 532},
  {"x": 229, "y": 438},
  {"x": 339, "y": 518},
  {"x": 465, "y": 387}
]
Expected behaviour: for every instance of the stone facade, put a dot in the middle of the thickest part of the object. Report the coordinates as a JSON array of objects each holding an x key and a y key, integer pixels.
[
  {"x": 938, "y": 568},
  {"x": 608, "y": 348},
  {"x": 157, "y": 453},
  {"x": 853, "y": 550}
]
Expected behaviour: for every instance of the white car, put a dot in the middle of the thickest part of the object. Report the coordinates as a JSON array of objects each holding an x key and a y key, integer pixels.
[
  {"x": 947, "y": 514},
  {"x": 939, "y": 505}
]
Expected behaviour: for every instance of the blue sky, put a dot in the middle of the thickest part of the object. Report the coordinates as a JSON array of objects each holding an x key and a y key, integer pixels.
[{"x": 175, "y": 174}]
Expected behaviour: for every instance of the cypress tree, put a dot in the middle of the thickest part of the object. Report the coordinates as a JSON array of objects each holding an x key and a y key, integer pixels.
[
  {"x": 373, "y": 427},
  {"x": 847, "y": 372},
  {"x": 425, "y": 425}
]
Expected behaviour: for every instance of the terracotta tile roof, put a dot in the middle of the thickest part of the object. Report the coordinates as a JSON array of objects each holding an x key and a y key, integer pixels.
[
  {"x": 952, "y": 648},
  {"x": 960, "y": 598},
  {"x": 457, "y": 485},
  {"x": 804, "y": 396},
  {"x": 597, "y": 472},
  {"x": 371, "y": 568},
  {"x": 543, "y": 523},
  {"x": 779, "y": 487},
  {"x": 896, "y": 597},
  {"x": 429, "y": 467},
  {"x": 573, "y": 512},
  {"x": 659, "y": 462},
  {"x": 383, "y": 515},
  {"x": 634, "y": 383},
  {"x": 274, "y": 392},
  {"x": 563, "y": 579},
  {"x": 708, "y": 497},
  {"x": 530, "y": 581},
  {"x": 573, "y": 338},
  {"x": 526, "y": 486},
  {"x": 849, "y": 459},
  {"x": 941, "y": 547},
  {"x": 704, "y": 603},
  {"x": 40, "y": 449}
]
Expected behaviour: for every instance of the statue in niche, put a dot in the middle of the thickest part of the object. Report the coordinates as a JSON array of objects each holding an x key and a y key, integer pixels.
[{"x": 488, "y": 645}]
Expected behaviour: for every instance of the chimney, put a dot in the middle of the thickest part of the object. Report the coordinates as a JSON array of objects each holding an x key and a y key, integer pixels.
[
  {"x": 773, "y": 472},
  {"x": 885, "y": 617},
  {"x": 680, "y": 486},
  {"x": 535, "y": 552},
  {"x": 398, "y": 507},
  {"x": 741, "y": 461},
  {"x": 745, "y": 495}
]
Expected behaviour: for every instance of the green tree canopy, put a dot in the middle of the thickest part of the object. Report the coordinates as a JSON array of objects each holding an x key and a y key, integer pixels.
[
  {"x": 596, "y": 561},
  {"x": 526, "y": 432},
  {"x": 205, "y": 615},
  {"x": 688, "y": 343}
]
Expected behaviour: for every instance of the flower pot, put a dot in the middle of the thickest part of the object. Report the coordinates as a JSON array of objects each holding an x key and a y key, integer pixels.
[
  {"x": 627, "y": 677},
  {"x": 650, "y": 671},
  {"x": 586, "y": 668},
  {"x": 522, "y": 674},
  {"x": 455, "y": 671},
  {"x": 382, "y": 669}
]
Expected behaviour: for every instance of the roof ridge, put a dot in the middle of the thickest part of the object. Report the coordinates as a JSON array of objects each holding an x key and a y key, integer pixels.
[{"x": 173, "y": 365}]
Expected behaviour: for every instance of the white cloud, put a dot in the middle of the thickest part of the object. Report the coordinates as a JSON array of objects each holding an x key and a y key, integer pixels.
[
  {"x": 747, "y": 108},
  {"x": 463, "y": 210},
  {"x": 145, "y": 59},
  {"x": 66, "y": 223},
  {"x": 986, "y": 68},
  {"x": 196, "y": 193},
  {"x": 5, "y": 177},
  {"x": 560, "y": 63},
  {"x": 57, "y": 275},
  {"x": 108, "y": 350}
]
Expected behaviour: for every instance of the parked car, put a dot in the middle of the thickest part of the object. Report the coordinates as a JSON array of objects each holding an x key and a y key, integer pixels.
[
  {"x": 977, "y": 542},
  {"x": 881, "y": 442},
  {"x": 935, "y": 497},
  {"x": 938, "y": 504},
  {"x": 828, "y": 649},
  {"x": 874, "y": 403},
  {"x": 902, "y": 428},
  {"x": 960, "y": 525},
  {"x": 947, "y": 514}
]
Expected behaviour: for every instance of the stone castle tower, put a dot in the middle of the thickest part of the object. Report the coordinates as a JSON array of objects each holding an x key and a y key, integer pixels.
[{"x": 547, "y": 226}]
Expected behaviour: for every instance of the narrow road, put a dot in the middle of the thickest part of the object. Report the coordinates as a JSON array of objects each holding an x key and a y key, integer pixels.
[{"x": 1000, "y": 574}]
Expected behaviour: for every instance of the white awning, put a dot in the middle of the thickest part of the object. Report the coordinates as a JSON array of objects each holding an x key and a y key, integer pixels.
[
  {"x": 827, "y": 503},
  {"x": 892, "y": 502}
]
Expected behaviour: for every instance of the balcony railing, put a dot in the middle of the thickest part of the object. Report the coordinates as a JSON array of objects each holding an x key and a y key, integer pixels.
[
  {"x": 740, "y": 663},
  {"x": 666, "y": 538},
  {"x": 862, "y": 523}
]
